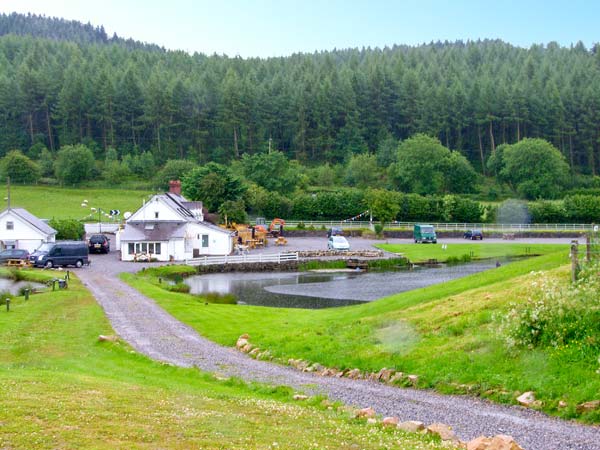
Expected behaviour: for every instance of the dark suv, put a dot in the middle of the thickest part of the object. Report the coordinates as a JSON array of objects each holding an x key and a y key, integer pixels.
[
  {"x": 473, "y": 235},
  {"x": 98, "y": 243}
]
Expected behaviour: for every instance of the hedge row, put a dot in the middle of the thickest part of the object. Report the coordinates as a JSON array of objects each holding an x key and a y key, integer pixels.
[
  {"x": 349, "y": 203},
  {"x": 572, "y": 209}
]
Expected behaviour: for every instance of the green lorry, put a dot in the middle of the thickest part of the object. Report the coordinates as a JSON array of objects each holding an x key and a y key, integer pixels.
[{"x": 424, "y": 233}]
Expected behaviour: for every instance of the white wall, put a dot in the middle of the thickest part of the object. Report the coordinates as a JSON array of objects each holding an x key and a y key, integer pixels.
[
  {"x": 149, "y": 210},
  {"x": 26, "y": 236},
  {"x": 219, "y": 243},
  {"x": 166, "y": 251}
]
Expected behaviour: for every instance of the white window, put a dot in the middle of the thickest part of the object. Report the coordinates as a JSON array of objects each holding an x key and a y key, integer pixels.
[
  {"x": 10, "y": 225},
  {"x": 131, "y": 248},
  {"x": 156, "y": 214},
  {"x": 145, "y": 247},
  {"x": 205, "y": 240}
]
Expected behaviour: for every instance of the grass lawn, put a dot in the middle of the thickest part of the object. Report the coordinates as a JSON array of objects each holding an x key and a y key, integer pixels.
[
  {"x": 445, "y": 333},
  {"x": 423, "y": 252},
  {"x": 61, "y": 388},
  {"x": 62, "y": 203}
]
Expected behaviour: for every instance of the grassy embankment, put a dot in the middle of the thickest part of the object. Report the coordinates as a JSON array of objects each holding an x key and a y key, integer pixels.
[
  {"x": 447, "y": 334},
  {"x": 65, "y": 203},
  {"x": 61, "y": 388},
  {"x": 423, "y": 252}
]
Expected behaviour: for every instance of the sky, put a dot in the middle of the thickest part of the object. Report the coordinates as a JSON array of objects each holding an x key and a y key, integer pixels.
[{"x": 267, "y": 28}]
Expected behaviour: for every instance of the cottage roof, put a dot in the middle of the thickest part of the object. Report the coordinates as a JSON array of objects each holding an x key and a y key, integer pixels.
[
  {"x": 26, "y": 216},
  {"x": 183, "y": 207},
  {"x": 153, "y": 231},
  {"x": 141, "y": 229}
]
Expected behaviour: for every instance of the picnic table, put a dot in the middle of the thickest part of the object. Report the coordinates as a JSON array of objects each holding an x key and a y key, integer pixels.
[
  {"x": 18, "y": 262},
  {"x": 253, "y": 243}
]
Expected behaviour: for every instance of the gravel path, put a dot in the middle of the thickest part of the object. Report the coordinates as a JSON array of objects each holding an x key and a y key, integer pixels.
[{"x": 154, "y": 332}]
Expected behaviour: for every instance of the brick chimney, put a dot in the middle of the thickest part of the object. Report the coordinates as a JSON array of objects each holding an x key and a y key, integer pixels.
[{"x": 175, "y": 187}]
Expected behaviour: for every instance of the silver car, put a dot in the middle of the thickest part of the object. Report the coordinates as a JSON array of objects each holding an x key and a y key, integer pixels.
[{"x": 338, "y": 243}]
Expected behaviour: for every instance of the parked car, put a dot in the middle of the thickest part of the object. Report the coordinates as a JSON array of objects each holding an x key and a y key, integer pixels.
[
  {"x": 473, "y": 235},
  {"x": 334, "y": 231},
  {"x": 98, "y": 243},
  {"x": 338, "y": 243},
  {"x": 13, "y": 253},
  {"x": 60, "y": 253},
  {"x": 424, "y": 233}
]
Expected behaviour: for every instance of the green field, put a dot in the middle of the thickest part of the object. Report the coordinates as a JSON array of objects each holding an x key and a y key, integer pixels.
[
  {"x": 62, "y": 203},
  {"x": 444, "y": 333},
  {"x": 61, "y": 388},
  {"x": 424, "y": 252}
]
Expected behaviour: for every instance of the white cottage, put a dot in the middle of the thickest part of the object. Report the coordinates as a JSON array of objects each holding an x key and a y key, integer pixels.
[
  {"x": 21, "y": 229},
  {"x": 170, "y": 228}
]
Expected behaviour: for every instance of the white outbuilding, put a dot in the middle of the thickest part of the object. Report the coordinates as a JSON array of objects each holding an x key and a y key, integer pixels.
[
  {"x": 21, "y": 229},
  {"x": 170, "y": 228}
]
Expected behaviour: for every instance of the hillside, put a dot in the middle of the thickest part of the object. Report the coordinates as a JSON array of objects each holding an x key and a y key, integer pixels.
[{"x": 63, "y": 83}]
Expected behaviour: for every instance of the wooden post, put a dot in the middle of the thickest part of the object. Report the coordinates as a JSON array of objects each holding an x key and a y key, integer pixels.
[
  {"x": 588, "y": 249},
  {"x": 574, "y": 260}
]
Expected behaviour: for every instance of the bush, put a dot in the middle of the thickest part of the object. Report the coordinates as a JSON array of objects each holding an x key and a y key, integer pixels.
[
  {"x": 19, "y": 168},
  {"x": 535, "y": 168},
  {"x": 16, "y": 274},
  {"x": 454, "y": 260},
  {"x": 461, "y": 209},
  {"x": 171, "y": 272},
  {"x": 261, "y": 202},
  {"x": 388, "y": 263},
  {"x": 4, "y": 295},
  {"x": 547, "y": 212},
  {"x": 556, "y": 315},
  {"x": 233, "y": 211},
  {"x": 23, "y": 289},
  {"x": 68, "y": 229},
  {"x": 582, "y": 208},
  {"x": 177, "y": 287},
  {"x": 74, "y": 164},
  {"x": 212, "y": 184},
  {"x": 414, "y": 208},
  {"x": 337, "y": 205}
]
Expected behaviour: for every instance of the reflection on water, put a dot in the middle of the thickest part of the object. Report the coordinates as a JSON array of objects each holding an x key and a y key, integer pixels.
[
  {"x": 325, "y": 290},
  {"x": 252, "y": 288},
  {"x": 14, "y": 286}
]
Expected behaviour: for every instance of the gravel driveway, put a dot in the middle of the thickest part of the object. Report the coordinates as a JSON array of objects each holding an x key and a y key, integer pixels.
[{"x": 153, "y": 332}]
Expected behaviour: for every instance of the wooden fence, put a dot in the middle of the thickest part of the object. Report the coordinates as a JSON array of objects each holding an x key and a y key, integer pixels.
[{"x": 242, "y": 259}]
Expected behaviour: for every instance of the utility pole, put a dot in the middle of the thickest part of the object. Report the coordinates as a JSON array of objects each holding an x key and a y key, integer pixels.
[
  {"x": 8, "y": 192},
  {"x": 270, "y": 142}
]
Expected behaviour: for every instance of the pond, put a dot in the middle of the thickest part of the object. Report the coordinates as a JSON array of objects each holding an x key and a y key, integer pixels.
[
  {"x": 13, "y": 286},
  {"x": 324, "y": 290}
]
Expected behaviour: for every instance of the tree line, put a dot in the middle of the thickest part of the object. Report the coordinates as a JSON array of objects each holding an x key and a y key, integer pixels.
[{"x": 64, "y": 83}]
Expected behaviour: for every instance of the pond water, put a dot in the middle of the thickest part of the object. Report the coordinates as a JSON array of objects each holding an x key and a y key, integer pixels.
[
  {"x": 13, "y": 287},
  {"x": 325, "y": 290}
]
